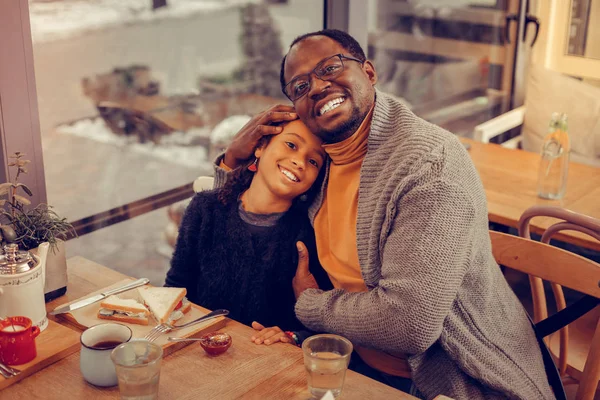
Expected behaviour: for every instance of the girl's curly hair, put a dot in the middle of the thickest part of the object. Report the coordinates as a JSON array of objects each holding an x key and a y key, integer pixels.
[{"x": 238, "y": 181}]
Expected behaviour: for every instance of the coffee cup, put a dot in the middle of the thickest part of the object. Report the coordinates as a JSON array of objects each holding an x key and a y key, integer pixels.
[
  {"x": 97, "y": 342},
  {"x": 17, "y": 340}
]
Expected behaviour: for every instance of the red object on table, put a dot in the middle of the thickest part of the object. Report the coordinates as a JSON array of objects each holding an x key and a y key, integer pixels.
[
  {"x": 215, "y": 343},
  {"x": 17, "y": 340}
]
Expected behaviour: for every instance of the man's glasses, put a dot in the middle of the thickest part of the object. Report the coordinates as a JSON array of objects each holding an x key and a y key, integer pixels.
[{"x": 326, "y": 70}]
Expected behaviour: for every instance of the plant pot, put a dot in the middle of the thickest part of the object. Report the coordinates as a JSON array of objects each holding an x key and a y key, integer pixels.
[{"x": 56, "y": 272}]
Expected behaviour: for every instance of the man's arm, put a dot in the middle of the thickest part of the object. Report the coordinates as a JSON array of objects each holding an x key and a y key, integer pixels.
[
  {"x": 245, "y": 141},
  {"x": 241, "y": 148},
  {"x": 424, "y": 260}
]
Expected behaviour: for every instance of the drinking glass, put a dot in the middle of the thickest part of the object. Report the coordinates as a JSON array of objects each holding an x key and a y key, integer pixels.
[
  {"x": 138, "y": 369},
  {"x": 326, "y": 359}
]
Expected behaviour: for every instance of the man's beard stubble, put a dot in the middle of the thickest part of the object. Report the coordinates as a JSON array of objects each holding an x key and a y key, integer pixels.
[{"x": 346, "y": 129}]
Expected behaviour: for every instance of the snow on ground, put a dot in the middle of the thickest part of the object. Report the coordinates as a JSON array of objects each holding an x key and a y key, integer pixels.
[
  {"x": 225, "y": 130},
  {"x": 178, "y": 147},
  {"x": 64, "y": 19}
]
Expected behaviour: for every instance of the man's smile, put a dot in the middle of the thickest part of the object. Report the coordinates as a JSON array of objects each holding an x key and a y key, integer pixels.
[{"x": 331, "y": 105}]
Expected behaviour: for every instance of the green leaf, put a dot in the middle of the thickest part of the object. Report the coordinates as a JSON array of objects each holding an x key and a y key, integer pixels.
[
  {"x": 24, "y": 187},
  {"x": 22, "y": 200},
  {"x": 5, "y": 187}
]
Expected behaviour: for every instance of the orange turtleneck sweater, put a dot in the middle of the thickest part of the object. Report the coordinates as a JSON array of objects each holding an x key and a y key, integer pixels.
[{"x": 335, "y": 231}]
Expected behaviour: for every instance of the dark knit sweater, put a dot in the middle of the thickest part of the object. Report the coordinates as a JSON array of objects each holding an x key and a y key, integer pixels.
[{"x": 223, "y": 262}]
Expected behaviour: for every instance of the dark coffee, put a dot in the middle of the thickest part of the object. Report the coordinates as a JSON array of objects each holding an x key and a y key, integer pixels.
[{"x": 107, "y": 344}]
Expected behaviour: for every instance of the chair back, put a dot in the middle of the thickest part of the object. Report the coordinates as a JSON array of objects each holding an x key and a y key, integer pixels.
[
  {"x": 203, "y": 183},
  {"x": 559, "y": 267}
]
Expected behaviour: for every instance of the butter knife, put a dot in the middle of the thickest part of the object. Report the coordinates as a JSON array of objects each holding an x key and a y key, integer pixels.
[{"x": 98, "y": 297}]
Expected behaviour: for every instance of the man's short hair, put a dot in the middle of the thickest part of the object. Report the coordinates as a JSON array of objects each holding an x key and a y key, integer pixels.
[{"x": 344, "y": 39}]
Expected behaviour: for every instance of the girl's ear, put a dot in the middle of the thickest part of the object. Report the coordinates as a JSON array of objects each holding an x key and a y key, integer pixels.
[{"x": 259, "y": 150}]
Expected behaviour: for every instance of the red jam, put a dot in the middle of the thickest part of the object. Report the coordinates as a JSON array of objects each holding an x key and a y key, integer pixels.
[{"x": 215, "y": 343}]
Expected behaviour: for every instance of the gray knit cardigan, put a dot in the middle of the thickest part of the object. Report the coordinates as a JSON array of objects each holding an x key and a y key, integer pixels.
[{"x": 435, "y": 290}]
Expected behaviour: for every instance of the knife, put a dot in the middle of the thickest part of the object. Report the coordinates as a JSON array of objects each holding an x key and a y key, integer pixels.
[{"x": 98, "y": 297}]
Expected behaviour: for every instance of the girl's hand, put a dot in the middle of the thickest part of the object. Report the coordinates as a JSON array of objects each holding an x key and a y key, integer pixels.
[{"x": 270, "y": 335}]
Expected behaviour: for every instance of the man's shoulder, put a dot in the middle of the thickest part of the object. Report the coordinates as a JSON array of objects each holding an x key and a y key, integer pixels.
[
  {"x": 398, "y": 130},
  {"x": 393, "y": 120},
  {"x": 407, "y": 142}
]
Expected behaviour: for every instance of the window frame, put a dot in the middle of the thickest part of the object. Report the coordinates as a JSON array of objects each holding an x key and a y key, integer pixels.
[
  {"x": 555, "y": 16},
  {"x": 19, "y": 117}
]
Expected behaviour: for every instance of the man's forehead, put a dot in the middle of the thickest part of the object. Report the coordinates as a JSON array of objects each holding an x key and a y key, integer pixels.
[{"x": 306, "y": 54}]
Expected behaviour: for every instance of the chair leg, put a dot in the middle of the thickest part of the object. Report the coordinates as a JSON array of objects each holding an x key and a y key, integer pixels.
[{"x": 591, "y": 371}]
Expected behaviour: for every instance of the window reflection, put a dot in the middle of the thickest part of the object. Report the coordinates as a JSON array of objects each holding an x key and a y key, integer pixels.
[
  {"x": 449, "y": 61},
  {"x": 134, "y": 102},
  {"x": 584, "y": 29}
]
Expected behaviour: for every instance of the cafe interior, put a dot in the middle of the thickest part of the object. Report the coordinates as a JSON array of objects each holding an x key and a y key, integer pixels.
[{"x": 112, "y": 114}]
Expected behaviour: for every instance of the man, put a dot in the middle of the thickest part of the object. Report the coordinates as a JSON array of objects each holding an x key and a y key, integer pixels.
[{"x": 402, "y": 230}]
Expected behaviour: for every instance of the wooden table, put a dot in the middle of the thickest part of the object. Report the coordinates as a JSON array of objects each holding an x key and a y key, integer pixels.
[
  {"x": 245, "y": 371},
  {"x": 510, "y": 181}
]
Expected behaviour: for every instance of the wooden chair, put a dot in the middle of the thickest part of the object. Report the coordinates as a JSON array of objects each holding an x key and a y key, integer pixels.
[
  {"x": 579, "y": 100},
  {"x": 175, "y": 211},
  {"x": 203, "y": 183},
  {"x": 561, "y": 268}
]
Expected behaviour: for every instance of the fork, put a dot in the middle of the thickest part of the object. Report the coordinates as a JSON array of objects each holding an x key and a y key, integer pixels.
[
  {"x": 8, "y": 372},
  {"x": 166, "y": 327}
]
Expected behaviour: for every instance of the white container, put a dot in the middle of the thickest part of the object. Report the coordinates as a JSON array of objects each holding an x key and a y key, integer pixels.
[
  {"x": 94, "y": 361},
  {"x": 22, "y": 279}
]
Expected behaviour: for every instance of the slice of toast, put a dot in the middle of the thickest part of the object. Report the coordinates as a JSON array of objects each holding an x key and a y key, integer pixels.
[
  {"x": 162, "y": 301},
  {"x": 124, "y": 310}
]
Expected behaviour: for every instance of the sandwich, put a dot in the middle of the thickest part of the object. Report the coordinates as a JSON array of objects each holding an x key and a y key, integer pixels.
[
  {"x": 124, "y": 310},
  {"x": 167, "y": 304}
]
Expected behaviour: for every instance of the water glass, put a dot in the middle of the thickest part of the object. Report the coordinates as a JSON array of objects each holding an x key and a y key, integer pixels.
[
  {"x": 138, "y": 369},
  {"x": 326, "y": 359}
]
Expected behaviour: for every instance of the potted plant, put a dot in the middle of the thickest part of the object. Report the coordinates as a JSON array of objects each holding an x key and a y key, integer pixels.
[{"x": 30, "y": 227}]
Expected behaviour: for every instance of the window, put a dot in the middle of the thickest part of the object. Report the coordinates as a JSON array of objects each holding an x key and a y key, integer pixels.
[
  {"x": 451, "y": 62},
  {"x": 135, "y": 102}
]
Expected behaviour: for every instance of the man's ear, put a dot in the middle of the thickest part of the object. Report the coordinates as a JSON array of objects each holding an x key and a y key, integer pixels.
[{"x": 369, "y": 69}]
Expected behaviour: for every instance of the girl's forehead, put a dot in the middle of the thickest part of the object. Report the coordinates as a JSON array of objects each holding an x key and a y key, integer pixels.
[{"x": 297, "y": 127}]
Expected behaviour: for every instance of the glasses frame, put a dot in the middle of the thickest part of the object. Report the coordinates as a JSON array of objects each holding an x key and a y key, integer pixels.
[{"x": 314, "y": 71}]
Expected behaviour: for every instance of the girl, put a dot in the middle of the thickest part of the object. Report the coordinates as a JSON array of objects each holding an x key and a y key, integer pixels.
[{"x": 236, "y": 247}]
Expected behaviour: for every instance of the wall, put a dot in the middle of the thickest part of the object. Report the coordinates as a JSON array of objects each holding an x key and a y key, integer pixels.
[{"x": 592, "y": 49}]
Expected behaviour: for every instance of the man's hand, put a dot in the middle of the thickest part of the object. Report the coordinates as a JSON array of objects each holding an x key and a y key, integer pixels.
[
  {"x": 303, "y": 279},
  {"x": 270, "y": 335},
  {"x": 245, "y": 141}
]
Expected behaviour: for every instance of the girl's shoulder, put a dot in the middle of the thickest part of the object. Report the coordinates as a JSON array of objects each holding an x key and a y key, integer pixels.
[
  {"x": 206, "y": 197},
  {"x": 206, "y": 201}
]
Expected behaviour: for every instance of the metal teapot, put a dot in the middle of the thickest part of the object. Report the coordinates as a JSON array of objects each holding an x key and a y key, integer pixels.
[{"x": 22, "y": 278}]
